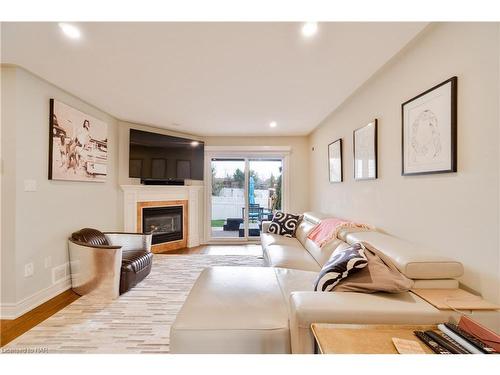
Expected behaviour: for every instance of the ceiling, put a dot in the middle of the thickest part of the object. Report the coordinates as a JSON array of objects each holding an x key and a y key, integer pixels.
[{"x": 209, "y": 78}]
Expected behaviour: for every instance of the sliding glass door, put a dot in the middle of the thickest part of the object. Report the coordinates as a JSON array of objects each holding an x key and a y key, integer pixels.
[
  {"x": 245, "y": 191},
  {"x": 264, "y": 192},
  {"x": 228, "y": 198}
]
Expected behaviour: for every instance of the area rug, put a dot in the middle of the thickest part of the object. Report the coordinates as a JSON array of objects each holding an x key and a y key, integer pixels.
[{"x": 137, "y": 322}]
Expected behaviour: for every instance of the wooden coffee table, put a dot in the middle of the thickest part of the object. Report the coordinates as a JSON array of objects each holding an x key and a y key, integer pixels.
[{"x": 364, "y": 338}]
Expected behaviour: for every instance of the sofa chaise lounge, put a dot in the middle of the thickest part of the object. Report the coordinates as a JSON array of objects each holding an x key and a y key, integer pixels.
[{"x": 270, "y": 309}]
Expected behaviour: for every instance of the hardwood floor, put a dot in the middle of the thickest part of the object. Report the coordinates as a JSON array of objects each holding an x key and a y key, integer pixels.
[
  {"x": 246, "y": 249},
  {"x": 10, "y": 329}
]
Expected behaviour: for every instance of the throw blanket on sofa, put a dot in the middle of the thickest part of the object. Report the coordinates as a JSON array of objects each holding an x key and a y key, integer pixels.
[{"x": 329, "y": 228}]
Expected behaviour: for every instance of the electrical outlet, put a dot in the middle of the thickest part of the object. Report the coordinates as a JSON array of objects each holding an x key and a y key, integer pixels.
[
  {"x": 48, "y": 262},
  {"x": 29, "y": 269},
  {"x": 59, "y": 273},
  {"x": 29, "y": 185}
]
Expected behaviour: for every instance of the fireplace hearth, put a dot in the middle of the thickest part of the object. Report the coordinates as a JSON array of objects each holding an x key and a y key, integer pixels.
[
  {"x": 190, "y": 197},
  {"x": 164, "y": 223}
]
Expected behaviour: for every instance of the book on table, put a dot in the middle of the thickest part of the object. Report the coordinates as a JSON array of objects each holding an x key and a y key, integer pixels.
[
  {"x": 466, "y": 337},
  {"x": 484, "y": 334}
]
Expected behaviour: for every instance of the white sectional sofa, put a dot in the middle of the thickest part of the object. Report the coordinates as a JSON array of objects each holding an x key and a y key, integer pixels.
[{"x": 270, "y": 309}]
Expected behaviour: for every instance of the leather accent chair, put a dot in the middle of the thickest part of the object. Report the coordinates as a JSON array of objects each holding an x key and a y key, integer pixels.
[{"x": 108, "y": 264}]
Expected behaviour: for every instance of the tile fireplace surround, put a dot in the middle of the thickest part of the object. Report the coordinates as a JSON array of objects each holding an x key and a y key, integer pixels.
[{"x": 193, "y": 194}]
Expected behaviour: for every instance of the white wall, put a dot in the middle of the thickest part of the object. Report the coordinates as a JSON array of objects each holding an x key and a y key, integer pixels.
[
  {"x": 8, "y": 260},
  {"x": 453, "y": 214},
  {"x": 498, "y": 108},
  {"x": 36, "y": 225}
]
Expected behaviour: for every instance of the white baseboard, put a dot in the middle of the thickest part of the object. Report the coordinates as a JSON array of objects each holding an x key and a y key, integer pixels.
[{"x": 15, "y": 310}]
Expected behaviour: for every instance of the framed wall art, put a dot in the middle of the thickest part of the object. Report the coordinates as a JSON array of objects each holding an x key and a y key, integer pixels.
[
  {"x": 78, "y": 145},
  {"x": 429, "y": 131},
  {"x": 365, "y": 152},
  {"x": 335, "y": 161}
]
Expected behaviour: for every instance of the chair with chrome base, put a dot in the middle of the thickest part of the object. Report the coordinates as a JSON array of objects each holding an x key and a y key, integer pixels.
[{"x": 108, "y": 264}]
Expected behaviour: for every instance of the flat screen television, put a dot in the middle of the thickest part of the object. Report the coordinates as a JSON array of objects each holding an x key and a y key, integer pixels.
[{"x": 154, "y": 156}]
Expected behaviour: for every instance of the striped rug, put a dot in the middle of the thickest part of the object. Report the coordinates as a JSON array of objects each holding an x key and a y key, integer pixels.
[{"x": 137, "y": 322}]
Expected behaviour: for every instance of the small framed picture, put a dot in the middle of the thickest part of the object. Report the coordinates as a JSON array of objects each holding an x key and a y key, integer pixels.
[
  {"x": 365, "y": 152},
  {"x": 429, "y": 131},
  {"x": 335, "y": 161}
]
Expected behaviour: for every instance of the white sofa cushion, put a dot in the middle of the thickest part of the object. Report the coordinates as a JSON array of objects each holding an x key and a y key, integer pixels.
[
  {"x": 355, "y": 308},
  {"x": 232, "y": 310},
  {"x": 291, "y": 280},
  {"x": 346, "y": 307},
  {"x": 310, "y": 257},
  {"x": 267, "y": 239},
  {"x": 261, "y": 309},
  {"x": 290, "y": 256},
  {"x": 308, "y": 222},
  {"x": 303, "y": 230},
  {"x": 412, "y": 261},
  {"x": 322, "y": 254}
]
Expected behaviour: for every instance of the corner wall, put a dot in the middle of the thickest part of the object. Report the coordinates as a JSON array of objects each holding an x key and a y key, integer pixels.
[
  {"x": 8, "y": 172},
  {"x": 36, "y": 225},
  {"x": 498, "y": 140},
  {"x": 456, "y": 214}
]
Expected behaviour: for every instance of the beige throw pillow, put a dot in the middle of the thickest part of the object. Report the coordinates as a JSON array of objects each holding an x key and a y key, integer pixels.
[{"x": 377, "y": 276}]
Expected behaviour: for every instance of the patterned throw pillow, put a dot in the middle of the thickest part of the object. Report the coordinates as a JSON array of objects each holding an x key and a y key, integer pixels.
[
  {"x": 340, "y": 265},
  {"x": 284, "y": 224},
  {"x": 377, "y": 276}
]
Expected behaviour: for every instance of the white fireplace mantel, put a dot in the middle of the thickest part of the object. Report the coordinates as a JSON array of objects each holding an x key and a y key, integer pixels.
[{"x": 150, "y": 193}]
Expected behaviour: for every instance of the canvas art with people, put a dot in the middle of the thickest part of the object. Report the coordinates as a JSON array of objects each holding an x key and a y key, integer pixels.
[{"x": 79, "y": 145}]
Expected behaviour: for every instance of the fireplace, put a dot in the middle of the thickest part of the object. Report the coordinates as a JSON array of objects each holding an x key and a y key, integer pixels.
[
  {"x": 164, "y": 223},
  {"x": 167, "y": 221}
]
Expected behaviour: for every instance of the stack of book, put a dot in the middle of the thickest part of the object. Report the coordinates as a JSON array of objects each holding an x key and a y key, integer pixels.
[{"x": 466, "y": 337}]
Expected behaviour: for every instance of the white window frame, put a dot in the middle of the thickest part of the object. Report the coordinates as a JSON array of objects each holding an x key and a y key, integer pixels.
[{"x": 246, "y": 153}]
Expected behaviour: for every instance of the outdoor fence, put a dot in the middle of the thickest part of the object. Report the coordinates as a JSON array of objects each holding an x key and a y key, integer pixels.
[{"x": 230, "y": 201}]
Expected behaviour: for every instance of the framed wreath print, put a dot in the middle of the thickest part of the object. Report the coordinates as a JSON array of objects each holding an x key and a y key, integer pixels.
[
  {"x": 429, "y": 131},
  {"x": 365, "y": 152},
  {"x": 335, "y": 161}
]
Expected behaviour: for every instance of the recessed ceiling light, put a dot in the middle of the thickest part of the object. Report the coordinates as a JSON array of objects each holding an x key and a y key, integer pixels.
[
  {"x": 273, "y": 124},
  {"x": 195, "y": 143},
  {"x": 309, "y": 29},
  {"x": 69, "y": 30}
]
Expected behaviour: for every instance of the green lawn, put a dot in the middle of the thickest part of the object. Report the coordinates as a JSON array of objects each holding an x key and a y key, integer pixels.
[{"x": 218, "y": 223}]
